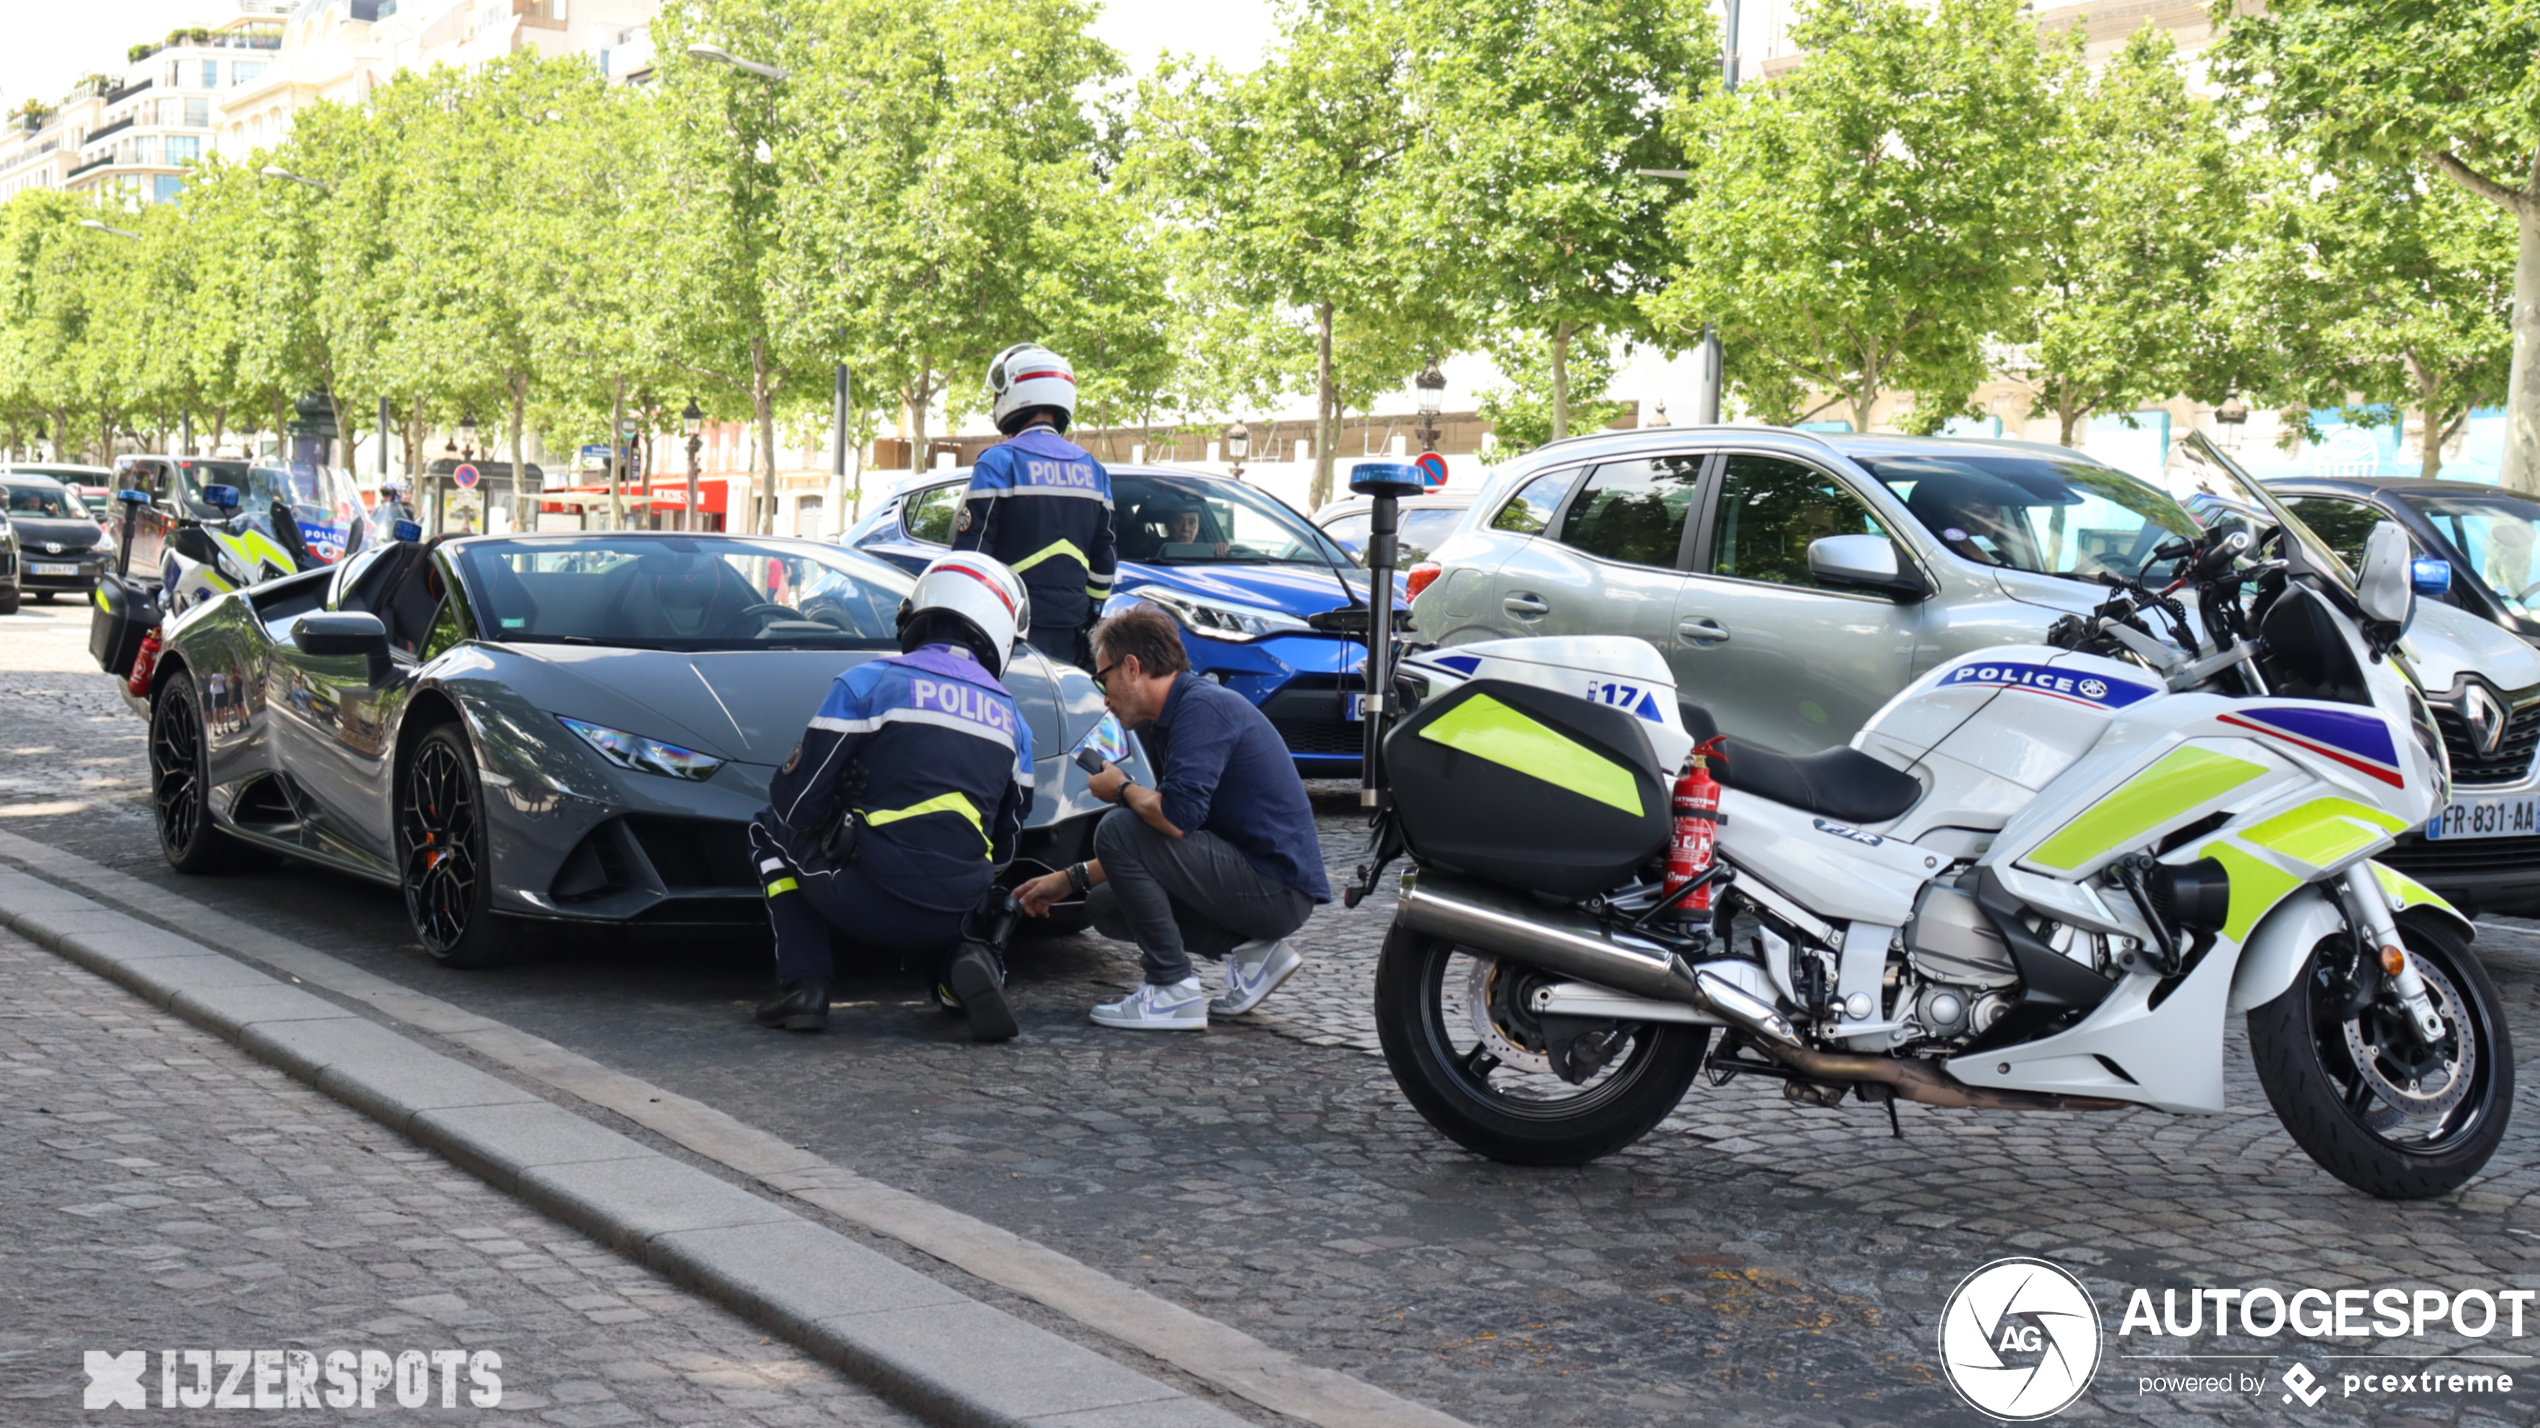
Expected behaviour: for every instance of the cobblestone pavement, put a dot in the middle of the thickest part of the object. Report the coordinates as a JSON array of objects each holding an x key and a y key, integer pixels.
[
  {"x": 1751, "y": 1261},
  {"x": 159, "y": 1189}
]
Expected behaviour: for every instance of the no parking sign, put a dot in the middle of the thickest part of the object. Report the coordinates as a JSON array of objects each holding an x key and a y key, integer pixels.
[
  {"x": 465, "y": 476},
  {"x": 1432, "y": 469}
]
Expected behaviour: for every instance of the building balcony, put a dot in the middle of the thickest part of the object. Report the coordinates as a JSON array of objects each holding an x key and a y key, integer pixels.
[
  {"x": 118, "y": 96},
  {"x": 115, "y": 128},
  {"x": 91, "y": 164}
]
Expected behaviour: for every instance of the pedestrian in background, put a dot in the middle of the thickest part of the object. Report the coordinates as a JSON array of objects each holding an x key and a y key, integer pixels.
[
  {"x": 1219, "y": 858},
  {"x": 1042, "y": 504}
]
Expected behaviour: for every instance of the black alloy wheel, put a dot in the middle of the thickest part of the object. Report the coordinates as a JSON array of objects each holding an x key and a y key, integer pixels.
[
  {"x": 2349, "y": 1078},
  {"x": 1471, "y": 1059},
  {"x": 180, "y": 783},
  {"x": 442, "y": 859}
]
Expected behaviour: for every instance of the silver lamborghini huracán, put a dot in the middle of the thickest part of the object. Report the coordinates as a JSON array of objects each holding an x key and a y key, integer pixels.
[{"x": 569, "y": 728}]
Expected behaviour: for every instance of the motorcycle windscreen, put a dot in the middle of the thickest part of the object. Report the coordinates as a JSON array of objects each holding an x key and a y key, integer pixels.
[{"x": 1529, "y": 788}]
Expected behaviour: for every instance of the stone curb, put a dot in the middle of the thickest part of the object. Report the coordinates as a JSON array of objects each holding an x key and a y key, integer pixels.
[{"x": 929, "y": 1348}]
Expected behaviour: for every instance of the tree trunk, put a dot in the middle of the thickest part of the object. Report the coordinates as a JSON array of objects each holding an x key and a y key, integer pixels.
[
  {"x": 524, "y": 511},
  {"x": 1863, "y": 399},
  {"x": 763, "y": 400},
  {"x": 617, "y": 449},
  {"x": 1561, "y": 333},
  {"x": 2070, "y": 415},
  {"x": 1327, "y": 426},
  {"x": 2522, "y": 389},
  {"x": 414, "y": 449}
]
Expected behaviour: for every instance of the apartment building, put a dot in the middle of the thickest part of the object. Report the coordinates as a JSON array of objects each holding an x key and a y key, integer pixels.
[{"x": 129, "y": 131}]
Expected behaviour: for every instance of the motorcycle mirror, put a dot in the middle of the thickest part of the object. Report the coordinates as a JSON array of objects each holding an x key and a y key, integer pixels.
[
  {"x": 2432, "y": 577},
  {"x": 2384, "y": 591},
  {"x": 405, "y": 530},
  {"x": 137, "y": 498}
]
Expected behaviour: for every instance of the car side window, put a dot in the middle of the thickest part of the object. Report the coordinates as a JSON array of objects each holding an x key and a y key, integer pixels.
[
  {"x": 1530, "y": 510},
  {"x": 2344, "y": 524},
  {"x": 447, "y": 630},
  {"x": 930, "y": 514},
  {"x": 1634, "y": 511},
  {"x": 1769, "y": 512}
]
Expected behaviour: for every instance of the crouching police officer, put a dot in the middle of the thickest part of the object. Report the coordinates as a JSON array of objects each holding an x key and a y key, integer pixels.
[{"x": 890, "y": 818}]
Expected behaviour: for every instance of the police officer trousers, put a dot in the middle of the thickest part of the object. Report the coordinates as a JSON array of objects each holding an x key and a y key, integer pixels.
[
  {"x": 804, "y": 905},
  {"x": 1065, "y": 643}
]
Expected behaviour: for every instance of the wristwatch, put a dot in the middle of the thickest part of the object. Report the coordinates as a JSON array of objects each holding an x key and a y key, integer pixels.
[{"x": 1077, "y": 880}]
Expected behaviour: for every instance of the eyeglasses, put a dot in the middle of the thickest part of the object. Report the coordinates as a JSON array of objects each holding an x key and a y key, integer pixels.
[{"x": 1102, "y": 676}]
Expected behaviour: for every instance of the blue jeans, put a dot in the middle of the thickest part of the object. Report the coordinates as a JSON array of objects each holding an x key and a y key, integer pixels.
[{"x": 1155, "y": 887}]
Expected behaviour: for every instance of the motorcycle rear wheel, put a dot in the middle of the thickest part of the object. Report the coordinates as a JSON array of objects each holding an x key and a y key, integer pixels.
[
  {"x": 2334, "y": 1079},
  {"x": 1457, "y": 1082}
]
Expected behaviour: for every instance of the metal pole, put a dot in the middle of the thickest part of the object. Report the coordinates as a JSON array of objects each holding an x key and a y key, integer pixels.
[
  {"x": 186, "y": 424},
  {"x": 688, "y": 516},
  {"x": 383, "y": 439},
  {"x": 840, "y": 413},
  {"x": 1706, "y": 399}
]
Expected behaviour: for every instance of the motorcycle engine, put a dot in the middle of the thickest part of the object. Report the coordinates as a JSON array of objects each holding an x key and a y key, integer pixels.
[{"x": 1959, "y": 976}]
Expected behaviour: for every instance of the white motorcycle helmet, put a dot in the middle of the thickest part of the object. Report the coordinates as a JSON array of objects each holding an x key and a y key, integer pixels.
[
  {"x": 970, "y": 599},
  {"x": 1028, "y": 375}
]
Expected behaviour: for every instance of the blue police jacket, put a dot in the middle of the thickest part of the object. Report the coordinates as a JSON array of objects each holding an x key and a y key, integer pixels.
[
  {"x": 1041, "y": 505},
  {"x": 932, "y": 754}
]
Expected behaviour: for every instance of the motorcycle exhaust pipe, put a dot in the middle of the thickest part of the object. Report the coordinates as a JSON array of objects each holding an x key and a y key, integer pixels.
[
  {"x": 1490, "y": 919},
  {"x": 1505, "y": 923}
]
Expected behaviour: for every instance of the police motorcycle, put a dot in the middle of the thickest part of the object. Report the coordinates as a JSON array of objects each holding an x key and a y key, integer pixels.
[
  {"x": 2039, "y": 878},
  {"x": 176, "y": 554}
]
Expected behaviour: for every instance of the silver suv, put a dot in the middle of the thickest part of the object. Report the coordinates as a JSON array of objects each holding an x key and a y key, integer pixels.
[{"x": 1794, "y": 582}]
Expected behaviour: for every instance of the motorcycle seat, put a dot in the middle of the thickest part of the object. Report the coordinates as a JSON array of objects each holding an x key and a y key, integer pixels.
[{"x": 1840, "y": 783}]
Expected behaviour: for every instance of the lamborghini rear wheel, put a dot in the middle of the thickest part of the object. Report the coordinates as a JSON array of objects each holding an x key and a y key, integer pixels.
[
  {"x": 443, "y": 861},
  {"x": 180, "y": 783}
]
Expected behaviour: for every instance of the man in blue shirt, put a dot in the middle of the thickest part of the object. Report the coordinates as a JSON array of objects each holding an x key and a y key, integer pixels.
[
  {"x": 1219, "y": 858},
  {"x": 1040, "y": 503}
]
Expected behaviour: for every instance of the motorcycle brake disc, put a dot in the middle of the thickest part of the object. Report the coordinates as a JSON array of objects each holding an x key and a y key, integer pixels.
[
  {"x": 1490, "y": 994},
  {"x": 2418, "y": 1093}
]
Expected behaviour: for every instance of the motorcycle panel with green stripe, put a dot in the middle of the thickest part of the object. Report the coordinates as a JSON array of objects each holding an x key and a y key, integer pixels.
[
  {"x": 1042, "y": 505},
  {"x": 930, "y": 753},
  {"x": 207, "y": 558}
]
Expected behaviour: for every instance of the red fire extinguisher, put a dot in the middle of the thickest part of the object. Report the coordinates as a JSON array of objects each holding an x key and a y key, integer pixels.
[
  {"x": 143, "y": 665},
  {"x": 1697, "y": 819}
]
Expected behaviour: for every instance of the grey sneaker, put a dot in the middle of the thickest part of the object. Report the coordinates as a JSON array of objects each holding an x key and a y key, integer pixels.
[
  {"x": 1253, "y": 971},
  {"x": 1182, "y": 1006}
]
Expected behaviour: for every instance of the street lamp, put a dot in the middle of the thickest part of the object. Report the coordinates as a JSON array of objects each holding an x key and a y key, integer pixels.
[
  {"x": 1431, "y": 384},
  {"x": 2231, "y": 416},
  {"x": 467, "y": 433},
  {"x": 692, "y": 424},
  {"x": 276, "y": 171},
  {"x": 719, "y": 55},
  {"x": 107, "y": 228},
  {"x": 1659, "y": 417},
  {"x": 1238, "y": 446}
]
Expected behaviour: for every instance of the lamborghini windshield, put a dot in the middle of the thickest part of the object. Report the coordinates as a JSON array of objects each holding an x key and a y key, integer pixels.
[
  {"x": 681, "y": 592},
  {"x": 2032, "y": 512}
]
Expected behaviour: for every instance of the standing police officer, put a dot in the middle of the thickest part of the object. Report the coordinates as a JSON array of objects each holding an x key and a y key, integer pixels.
[
  {"x": 1040, "y": 504},
  {"x": 890, "y": 818}
]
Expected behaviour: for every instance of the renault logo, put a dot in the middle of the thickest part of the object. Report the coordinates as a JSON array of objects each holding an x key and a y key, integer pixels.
[{"x": 2485, "y": 719}]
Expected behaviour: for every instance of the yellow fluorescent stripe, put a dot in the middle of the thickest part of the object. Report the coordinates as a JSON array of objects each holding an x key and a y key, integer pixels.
[
  {"x": 1488, "y": 729},
  {"x": 940, "y": 803},
  {"x": 2182, "y": 780},
  {"x": 2256, "y": 886},
  {"x": 782, "y": 885},
  {"x": 1051, "y": 551},
  {"x": 2324, "y": 831}
]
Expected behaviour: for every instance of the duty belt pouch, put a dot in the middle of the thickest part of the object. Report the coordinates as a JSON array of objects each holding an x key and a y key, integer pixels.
[{"x": 838, "y": 840}]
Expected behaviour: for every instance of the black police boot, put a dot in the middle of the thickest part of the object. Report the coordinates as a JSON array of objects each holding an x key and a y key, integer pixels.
[
  {"x": 801, "y": 1005},
  {"x": 976, "y": 980}
]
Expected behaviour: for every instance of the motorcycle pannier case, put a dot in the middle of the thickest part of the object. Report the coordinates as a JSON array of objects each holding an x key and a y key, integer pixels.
[
  {"x": 126, "y": 611},
  {"x": 1529, "y": 788}
]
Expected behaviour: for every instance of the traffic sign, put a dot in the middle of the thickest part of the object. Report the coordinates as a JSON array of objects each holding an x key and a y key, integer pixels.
[
  {"x": 465, "y": 476},
  {"x": 1432, "y": 468}
]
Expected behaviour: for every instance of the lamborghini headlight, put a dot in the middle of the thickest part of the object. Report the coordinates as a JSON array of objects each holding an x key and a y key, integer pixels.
[
  {"x": 1106, "y": 738},
  {"x": 1221, "y": 619},
  {"x": 634, "y": 751}
]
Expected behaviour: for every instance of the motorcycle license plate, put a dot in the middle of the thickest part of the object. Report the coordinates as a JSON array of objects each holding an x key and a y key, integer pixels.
[
  {"x": 2486, "y": 818},
  {"x": 1356, "y": 709},
  {"x": 40, "y": 568}
]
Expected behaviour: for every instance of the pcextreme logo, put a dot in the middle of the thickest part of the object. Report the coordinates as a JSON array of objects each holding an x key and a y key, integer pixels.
[{"x": 2019, "y": 1339}]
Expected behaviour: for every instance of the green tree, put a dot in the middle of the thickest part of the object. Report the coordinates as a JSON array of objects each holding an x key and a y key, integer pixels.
[
  {"x": 2138, "y": 206},
  {"x": 2445, "y": 86},
  {"x": 1522, "y": 415},
  {"x": 1534, "y": 116},
  {"x": 1863, "y": 222}
]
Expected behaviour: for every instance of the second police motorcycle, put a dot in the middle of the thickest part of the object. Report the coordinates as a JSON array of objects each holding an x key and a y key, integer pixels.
[{"x": 2042, "y": 877}]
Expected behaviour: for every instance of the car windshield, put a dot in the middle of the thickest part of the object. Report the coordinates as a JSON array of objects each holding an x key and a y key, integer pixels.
[
  {"x": 45, "y": 503},
  {"x": 682, "y": 592},
  {"x": 1190, "y": 520},
  {"x": 2495, "y": 534},
  {"x": 1424, "y": 528},
  {"x": 2032, "y": 512}
]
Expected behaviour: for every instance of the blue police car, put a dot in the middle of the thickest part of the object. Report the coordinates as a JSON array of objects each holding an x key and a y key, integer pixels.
[{"x": 1236, "y": 567}]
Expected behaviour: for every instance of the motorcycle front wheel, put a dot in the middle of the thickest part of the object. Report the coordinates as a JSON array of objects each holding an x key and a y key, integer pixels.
[
  {"x": 2376, "y": 1108},
  {"x": 1471, "y": 1058}
]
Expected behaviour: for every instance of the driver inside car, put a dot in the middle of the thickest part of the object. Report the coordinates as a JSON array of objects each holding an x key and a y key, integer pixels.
[{"x": 1187, "y": 526}]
